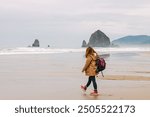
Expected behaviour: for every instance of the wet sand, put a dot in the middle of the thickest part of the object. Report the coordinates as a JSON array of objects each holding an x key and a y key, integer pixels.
[
  {"x": 58, "y": 77},
  {"x": 69, "y": 89}
]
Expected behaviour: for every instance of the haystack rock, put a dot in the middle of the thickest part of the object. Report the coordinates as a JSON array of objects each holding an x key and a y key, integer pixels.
[
  {"x": 36, "y": 43},
  {"x": 99, "y": 39}
]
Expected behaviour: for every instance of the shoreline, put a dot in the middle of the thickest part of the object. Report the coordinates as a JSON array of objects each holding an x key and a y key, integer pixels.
[{"x": 125, "y": 77}]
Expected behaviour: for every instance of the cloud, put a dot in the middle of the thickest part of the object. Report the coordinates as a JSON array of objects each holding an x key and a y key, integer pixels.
[{"x": 69, "y": 20}]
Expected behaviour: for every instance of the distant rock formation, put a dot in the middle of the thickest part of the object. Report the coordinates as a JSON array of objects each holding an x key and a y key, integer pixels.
[
  {"x": 132, "y": 40},
  {"x": 98, "y": 39},
  {"x": 84, "y": 44},
  {"x": 114, "y": 45},
  {"x": 36, "y": 43}
]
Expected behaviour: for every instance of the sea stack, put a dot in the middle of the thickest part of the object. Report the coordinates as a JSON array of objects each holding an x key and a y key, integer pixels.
[
  {"x": 36, "y": 43},
  {"x": 98, "y": 39},
  {"x": 84, "y": 44}
]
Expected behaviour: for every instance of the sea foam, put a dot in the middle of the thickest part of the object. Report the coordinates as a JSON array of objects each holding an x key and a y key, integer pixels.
[{"x": 30, "y": 50}]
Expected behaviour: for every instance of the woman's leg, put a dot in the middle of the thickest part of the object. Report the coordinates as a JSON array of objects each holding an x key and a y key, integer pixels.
[
  {"x": 94, "y": 83},
  {"x": 89, "y": 81}
]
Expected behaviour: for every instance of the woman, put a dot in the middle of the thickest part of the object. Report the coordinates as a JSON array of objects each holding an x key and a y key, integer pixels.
[{"x": 90, "y": 69}]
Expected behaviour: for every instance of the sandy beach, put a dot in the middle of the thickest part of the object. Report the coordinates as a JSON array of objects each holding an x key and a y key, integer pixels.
[{"x": 58, "y": 77}]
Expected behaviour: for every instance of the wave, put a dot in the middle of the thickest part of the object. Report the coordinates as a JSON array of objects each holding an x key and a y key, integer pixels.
[{"x": 30, "y": 50}]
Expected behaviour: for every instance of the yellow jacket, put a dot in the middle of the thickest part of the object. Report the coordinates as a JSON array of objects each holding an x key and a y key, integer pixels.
[{"x": 90, "y": 65}]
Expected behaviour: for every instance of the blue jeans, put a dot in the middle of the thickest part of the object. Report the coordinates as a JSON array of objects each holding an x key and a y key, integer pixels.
[{"x": 92, "y": 79}]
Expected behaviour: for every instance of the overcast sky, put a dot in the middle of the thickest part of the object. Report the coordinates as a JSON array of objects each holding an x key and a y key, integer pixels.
[{"x": 65, "y": 23}]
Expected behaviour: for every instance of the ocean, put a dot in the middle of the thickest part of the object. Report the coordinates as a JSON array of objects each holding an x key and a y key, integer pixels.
[
  {"x": 120, "y": 61},
  {"x": 30, "y": 50}
]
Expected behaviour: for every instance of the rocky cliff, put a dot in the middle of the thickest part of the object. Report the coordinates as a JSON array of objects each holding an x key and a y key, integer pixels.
[
  {"x": 98, "y": 39},
  {"x": 132, "y": 40}
]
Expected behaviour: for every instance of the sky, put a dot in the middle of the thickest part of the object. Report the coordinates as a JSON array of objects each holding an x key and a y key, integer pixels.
[{"x": 66, "y": 23}]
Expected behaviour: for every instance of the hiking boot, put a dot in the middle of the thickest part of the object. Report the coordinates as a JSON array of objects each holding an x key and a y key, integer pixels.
[
  {"x": 83, "y": 88},
  {"x": 94, "y": 93}
]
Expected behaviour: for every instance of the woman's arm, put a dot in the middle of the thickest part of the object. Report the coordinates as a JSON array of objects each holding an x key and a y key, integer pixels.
[{"x": 88, "y": 61}]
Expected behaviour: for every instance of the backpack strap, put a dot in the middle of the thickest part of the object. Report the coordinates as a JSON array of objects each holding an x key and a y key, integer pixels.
[{"x": 102, "y": 73}]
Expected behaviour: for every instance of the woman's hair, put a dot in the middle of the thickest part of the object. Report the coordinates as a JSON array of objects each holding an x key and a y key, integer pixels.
[{"x": 90, "y": 51}]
